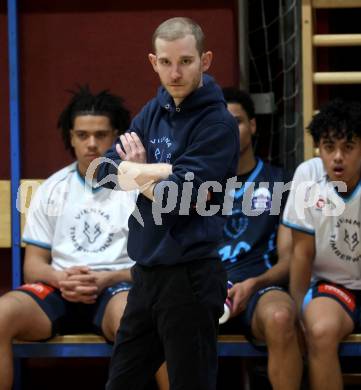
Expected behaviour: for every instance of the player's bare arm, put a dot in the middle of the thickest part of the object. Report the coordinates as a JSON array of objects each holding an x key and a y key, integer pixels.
[
  {"x": 301, "y": 265},
  {"x": 37, "y": 267}
]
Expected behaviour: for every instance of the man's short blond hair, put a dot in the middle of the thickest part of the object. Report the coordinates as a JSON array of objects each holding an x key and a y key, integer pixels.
[{"x": 176, "y": 28}]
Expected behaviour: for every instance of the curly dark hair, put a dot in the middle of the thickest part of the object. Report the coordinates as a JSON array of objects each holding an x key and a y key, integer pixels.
[
  {"x": 338, "y": 119},
  {"x": 84, "y": 102},
  {"x": 235, "y": 95}
]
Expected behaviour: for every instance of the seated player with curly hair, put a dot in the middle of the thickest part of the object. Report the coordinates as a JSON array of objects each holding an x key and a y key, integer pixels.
[{"x": 324, "y": 213}]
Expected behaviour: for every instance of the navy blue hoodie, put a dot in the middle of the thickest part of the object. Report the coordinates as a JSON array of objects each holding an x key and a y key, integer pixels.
[{"x": 198, "y": 136}]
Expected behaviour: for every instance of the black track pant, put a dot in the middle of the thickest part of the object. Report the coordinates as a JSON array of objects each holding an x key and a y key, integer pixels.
[{"x": 171, "y": 315}]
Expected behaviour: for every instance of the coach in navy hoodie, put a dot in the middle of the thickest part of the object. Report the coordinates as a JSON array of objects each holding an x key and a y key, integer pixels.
[{"x": 181, "y": 140}]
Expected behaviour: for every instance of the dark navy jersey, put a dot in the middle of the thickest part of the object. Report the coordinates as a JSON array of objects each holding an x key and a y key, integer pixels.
[{"x": 249, "y": 238}]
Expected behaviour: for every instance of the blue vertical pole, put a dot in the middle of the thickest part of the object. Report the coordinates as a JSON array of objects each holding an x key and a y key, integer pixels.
[
  {"x": 14, "y": 155},
  {"x": 14, "y": 137}
]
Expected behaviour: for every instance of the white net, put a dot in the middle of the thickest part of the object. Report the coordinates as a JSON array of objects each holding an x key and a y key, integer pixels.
[{"x": 275, "y": 70}]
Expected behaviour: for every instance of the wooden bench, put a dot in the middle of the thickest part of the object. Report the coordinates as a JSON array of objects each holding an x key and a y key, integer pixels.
[{"x": 91, "y": 345}]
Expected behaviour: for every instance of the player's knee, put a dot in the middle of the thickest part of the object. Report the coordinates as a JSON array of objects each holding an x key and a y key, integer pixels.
[
  {"x": 109, "y": 329},
  {"x": 117, "y": 320},
  {"x": 322, "y": 336},
  {"x": 114, "y": 330},
  {"x": 112, "y": 321},
  {"x": 281, "y": 322},
  {"x": 9, "y": 317}
]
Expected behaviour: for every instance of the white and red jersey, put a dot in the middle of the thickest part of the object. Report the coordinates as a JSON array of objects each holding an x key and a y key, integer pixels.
[
  {"x": 317, "y": 207},
  {"x": 78, "y": 224}
]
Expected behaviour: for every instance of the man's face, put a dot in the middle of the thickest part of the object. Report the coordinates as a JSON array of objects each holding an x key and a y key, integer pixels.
[
  {"x": 342, "y": 159},
  {"x": 91, "y": 137},
  {"x": 179, "y": 66},
  {"x": 246, "y": 126}
]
